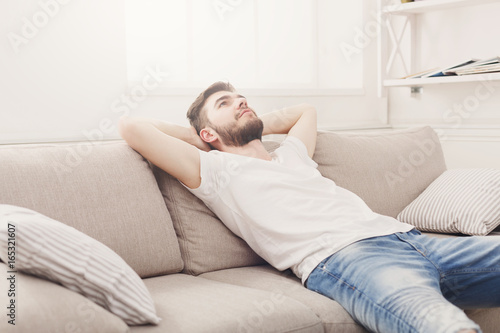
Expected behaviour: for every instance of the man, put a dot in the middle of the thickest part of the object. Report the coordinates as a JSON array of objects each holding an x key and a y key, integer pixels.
[{"x": 387, "y": 275}]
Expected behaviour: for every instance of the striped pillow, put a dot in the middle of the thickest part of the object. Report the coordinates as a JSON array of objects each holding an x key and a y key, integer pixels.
[
  {"x": 36, "y": 244},
  {"x": 463, "y": 201}
]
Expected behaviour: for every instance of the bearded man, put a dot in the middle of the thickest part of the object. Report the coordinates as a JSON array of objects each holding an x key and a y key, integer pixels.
[{"x": 386, "y": 274}]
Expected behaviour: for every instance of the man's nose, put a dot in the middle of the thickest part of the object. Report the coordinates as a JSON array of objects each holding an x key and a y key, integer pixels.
[{"x": 242, "y": 103}]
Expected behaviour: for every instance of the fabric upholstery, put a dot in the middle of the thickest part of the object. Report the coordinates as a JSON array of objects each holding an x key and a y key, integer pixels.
[
  {"x": 46, "y": 307},
  {"x": 488, "y": 319},
  {"x": 33, "y": 243},
  {"x": 105, "y": 190},
  {"x": 193, "y": 304},
  {"x": 205, "y": 242},
  {"x": 334, "y": 317},
  {"x": 388, "y": 170}
]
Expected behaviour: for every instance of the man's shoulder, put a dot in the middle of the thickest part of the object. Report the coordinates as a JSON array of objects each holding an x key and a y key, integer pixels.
[{"x": 294, "y": 146}]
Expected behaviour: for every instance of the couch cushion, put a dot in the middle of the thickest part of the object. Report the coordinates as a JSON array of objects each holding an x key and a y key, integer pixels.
[
  {"x": 388, "y": 169},
  {"x": 105, "y": 190},
  {"x": 487, "y": 319},
  {"x": 206, "y": 244},
  {"x": 43, "y": 306},
  {"x": 193, "y": 304},
  {"x": 334, "y": 317}
]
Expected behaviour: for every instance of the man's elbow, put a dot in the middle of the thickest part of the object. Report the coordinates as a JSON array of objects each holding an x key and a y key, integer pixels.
[
  {"x": 310, "y": 112},
  {"x": 127, "y": 128},
  {"x": 309, "y": 109}
]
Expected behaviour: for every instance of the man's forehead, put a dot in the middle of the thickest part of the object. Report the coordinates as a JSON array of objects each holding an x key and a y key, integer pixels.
[{"x": 219, "y": 94}]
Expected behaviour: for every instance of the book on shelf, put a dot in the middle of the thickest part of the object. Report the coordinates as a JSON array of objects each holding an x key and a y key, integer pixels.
[
  {"x": 467, "y": 67},
  {"x": 479, "y": 69},
  {"x": 449, "y": 69},
  {"x": 419, "y": 74},
  {"x": 483, "y": 66},
  {"x": 440, "y": 71}
]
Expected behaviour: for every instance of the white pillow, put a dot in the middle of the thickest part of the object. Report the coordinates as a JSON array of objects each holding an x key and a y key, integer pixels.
[
  {"x": 36, "y": 244},
  {"x": 463, "y": 201}
]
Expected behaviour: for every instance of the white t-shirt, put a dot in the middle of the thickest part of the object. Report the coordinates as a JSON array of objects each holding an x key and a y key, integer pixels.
[{"x": 285, "y": 210}]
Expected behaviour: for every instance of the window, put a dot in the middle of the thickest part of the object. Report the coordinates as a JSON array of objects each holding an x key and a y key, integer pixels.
[{"x": 271, "y": 45}]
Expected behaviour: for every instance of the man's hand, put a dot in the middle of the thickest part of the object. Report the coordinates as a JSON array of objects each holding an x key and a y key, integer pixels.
[
  {"x": 196, "y": 141},
  {"x": 299, "y": 121}
]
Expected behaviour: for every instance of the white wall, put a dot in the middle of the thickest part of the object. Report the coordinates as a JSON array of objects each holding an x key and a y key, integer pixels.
[
  {"x": 67, "y": 81},
  {"x": 334, "y": 111},
  {"x": 63, "y": 70},
  {"x": 467, "y": 115}
]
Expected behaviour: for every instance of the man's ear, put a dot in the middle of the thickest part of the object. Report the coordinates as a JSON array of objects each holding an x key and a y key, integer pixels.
[{"x": 208, "y": 135}]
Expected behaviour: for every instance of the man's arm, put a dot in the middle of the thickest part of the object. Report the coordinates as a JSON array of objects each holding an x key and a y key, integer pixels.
[
  {"x": 171, "y": 147},
  {"x": 299, "y": 121}
]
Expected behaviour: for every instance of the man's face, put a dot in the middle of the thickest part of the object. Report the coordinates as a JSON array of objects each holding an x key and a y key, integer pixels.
[{"x": 230, "y": 116}]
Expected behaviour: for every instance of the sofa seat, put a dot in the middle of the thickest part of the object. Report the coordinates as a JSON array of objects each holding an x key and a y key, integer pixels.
[
  {"x": 43, "y": 306},
  {"x": 334, "y": 317},
  {"x": 193, "y": 304},
  {"x": 265, "y": 277}
]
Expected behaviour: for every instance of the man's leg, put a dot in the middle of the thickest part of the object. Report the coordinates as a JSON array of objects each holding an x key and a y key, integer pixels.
[
  {"x": 469, "y": 267},
  {"x": 388, "y": 286}
]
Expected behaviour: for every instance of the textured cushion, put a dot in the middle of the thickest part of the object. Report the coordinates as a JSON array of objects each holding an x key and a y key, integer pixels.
[
  {"x": 193, "y": 304},
  {"x": 332, "y": 314},
  {"x": 335, "y": 319},
  {"x": 36, "y": 244},
  {"x": 487, "y": 319},
  {"x": 105, "y": 190},
  {"x": 45, "y": 307},
  {"x": 459, "y": 201},
  {"x": 206, "y": 244},
  {"x": 388, "y": 170}
]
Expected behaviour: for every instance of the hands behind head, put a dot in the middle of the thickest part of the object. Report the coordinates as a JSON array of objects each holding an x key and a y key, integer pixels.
[{"x": 197, "y": 141}]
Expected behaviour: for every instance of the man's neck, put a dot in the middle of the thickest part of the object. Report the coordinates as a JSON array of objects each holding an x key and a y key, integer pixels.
[{"x": 253, "y": 149}]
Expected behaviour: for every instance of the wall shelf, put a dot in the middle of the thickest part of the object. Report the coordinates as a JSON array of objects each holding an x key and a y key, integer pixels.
[
  {"x": 441, "y": 80},
  {"x": 395, "y": 33},
  {"x": 420, "y": 7}
]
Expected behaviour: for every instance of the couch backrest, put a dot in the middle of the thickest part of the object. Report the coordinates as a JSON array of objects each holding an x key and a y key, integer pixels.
[
  {"x": 108, "y": 191},
  {"x": 105, "y": 190},
  {"x": 205, "y": 242},
  {"x": 387, "y": 169}
]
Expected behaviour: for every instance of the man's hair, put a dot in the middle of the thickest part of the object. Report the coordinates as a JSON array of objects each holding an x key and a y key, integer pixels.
[{"x": 196, "y": 115}]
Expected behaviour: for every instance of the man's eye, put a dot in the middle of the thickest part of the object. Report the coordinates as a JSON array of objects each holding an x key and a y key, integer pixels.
[{"x": 222, "y": 104}]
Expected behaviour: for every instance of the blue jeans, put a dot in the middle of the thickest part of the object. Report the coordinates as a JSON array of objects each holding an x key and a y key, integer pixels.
[{"x": 408, "y": 282}]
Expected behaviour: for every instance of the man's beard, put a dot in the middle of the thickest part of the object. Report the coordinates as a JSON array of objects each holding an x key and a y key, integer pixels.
[{"x": 239, "y": 136}]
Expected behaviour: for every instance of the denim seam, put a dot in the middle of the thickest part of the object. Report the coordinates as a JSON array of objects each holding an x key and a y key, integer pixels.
[
  {"x": 446, "y": 274},
  {"x": 476, "y": 270},
  {"x": 380, "y": 307},
  {"x": 442, "y": 274}
]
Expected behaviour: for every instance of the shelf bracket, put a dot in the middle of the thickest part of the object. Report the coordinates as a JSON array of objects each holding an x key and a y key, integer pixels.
[{"x": 416, "y": 91}]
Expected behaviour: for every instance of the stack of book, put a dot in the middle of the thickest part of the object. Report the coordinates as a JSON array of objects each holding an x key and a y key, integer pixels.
[
  {"x": 470, "y": 66},
  {"x": 484, "y": 66}
]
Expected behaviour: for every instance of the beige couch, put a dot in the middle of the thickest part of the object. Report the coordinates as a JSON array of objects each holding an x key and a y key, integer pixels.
[{"x": 201, "y": 277}]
